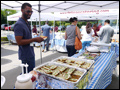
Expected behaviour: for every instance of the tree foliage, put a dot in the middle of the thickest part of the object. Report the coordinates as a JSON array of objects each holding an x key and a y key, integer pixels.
[{"x": 5, "y": 13}]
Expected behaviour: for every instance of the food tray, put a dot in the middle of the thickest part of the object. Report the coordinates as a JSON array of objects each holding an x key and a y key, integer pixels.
[
  {"x": 52, "y": 63},
  {"x": 82, "y": 56},
  {"x": 76, "y": 59}
]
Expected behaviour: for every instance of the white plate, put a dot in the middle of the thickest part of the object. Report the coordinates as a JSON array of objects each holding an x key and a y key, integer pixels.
[
  {"x": 92, "y": 49},
  {"x": 2, "y": 80}
]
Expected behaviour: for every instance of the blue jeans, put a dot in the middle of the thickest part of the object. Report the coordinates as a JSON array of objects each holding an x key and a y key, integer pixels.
[
  {"x": 30, "y": 62},
  {"x": 47, "y": 44},
  {"x": 85, "y": 43},
  {"x": 71, "y": 50}
]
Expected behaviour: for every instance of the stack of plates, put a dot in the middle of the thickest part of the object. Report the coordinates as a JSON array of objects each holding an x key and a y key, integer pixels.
[{"x": 93, "y": 49}]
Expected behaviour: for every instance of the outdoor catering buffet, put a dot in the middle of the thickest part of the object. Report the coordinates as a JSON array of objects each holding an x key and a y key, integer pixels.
[
  {"x": 80, "y": 71},
  {"x": 65, "y": 72},
  {"x": 69, "y": 72}
]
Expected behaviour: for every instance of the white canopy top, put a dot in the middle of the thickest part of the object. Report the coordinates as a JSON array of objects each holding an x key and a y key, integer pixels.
[
  {"x": 34, "y": 16},
  {"x": 60, "y": 6},
  {"x": 81, "y": 15},
  {"x": 65, "y": 6},
  {"x": 101, "y": 14}
]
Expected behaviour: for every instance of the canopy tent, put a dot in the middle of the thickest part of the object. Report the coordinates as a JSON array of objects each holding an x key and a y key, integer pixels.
[
  {"x": 101, "y": 14},
  {"x": 61, "y": 6},
  {"x": 34, "y": 16},
  {"x": 81, "y": 15}
]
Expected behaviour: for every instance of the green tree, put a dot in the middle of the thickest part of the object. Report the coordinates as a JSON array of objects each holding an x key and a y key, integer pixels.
[{"x": 5, "y": 13}]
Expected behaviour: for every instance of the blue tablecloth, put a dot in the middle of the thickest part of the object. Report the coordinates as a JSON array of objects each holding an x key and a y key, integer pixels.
[
  {"x": 60, "y": 42},
  {"x": 11, "y": 37},
  {"x": 115, "y": 47},
  {"x": 103, "y": 68}
]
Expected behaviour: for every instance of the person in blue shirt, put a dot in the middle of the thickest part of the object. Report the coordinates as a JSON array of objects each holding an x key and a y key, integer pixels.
[
  {"x": 46, "y": 29},
  {"x": 23, "y": 36}
]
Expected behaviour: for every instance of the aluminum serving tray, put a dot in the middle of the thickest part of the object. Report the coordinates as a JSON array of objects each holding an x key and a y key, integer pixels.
[
  {"x": 84, "y": 57},
  {"x": 76, "y": 59},
  {"x": 52, "y": 63}
]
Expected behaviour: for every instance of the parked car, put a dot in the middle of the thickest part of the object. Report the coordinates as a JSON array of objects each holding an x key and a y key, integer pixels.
[
  {"x": 61, "y": 28},
  {"x": 12, "y": 26},
  {"x": 6, "y": 28},
  {"x": 3, "y": 26}
]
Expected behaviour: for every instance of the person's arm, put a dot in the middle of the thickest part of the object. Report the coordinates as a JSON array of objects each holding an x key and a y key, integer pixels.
[
  {"x": 50, "y": 30},
  {"x": 18, "y": 30},
  {"x": 21, "y": 41},
  {"x": 36, "y": 31},
  {"x": 112, "y": 33},
  {"x": 65, "y": 35},
  {"x": 79, "y": 33},
  {"x": 42, "y": 30},
  {"x": 93, "y": 34},
  {"x": 99, "y": 33}
]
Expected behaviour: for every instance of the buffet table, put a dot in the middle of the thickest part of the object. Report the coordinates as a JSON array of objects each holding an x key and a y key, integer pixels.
[
  {"x": 102, "y": 73},
  {"x": 103, "y": 69},
  {"x": 59, "y": 44},
  {"x": 101, "y": 76}
]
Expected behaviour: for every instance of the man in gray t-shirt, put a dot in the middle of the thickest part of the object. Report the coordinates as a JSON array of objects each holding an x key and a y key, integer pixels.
[{"x": 106, "y": 32}]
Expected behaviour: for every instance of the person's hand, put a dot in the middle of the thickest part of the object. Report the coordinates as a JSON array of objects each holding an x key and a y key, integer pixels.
[{"x": 38, "y": 39}]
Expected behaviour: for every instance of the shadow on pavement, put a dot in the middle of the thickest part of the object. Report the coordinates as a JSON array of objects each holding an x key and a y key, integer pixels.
[
  {"x": 5, "y": 52},
  {"x": 5, "y": 61},
  {"x": 114, "y": 84}
]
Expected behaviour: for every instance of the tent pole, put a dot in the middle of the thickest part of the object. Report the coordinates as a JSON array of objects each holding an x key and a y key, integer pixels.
[
  {"x": 36, "y": 21},
  {"x": 8, "y": 30},
  {"x": 60, "y": 25},
  {"x": 40, "y": 32},
  {"x": 31, "y": 23},
  {"x": 116, "y": 26},
  {"x": 54, "y": 31}
]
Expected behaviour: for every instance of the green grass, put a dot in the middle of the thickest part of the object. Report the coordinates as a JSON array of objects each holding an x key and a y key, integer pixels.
[{"x": 4, "y": 39}]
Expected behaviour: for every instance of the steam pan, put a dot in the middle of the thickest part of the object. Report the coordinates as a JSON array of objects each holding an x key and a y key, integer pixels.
[
  {"x": 52, "y": 63},
  {"x": 76, "y": 59}
]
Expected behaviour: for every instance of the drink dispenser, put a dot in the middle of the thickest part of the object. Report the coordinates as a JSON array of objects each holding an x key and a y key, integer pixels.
[{"x": 24, "y": 80}]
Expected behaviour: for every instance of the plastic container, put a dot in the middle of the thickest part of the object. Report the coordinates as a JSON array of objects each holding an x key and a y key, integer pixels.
[{"x": 24, "y": 82}]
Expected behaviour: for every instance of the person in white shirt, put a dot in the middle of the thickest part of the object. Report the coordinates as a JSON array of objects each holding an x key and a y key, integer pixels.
[
  {"x": 106, "y": 32},
  {"x": 87, "y": 34}
]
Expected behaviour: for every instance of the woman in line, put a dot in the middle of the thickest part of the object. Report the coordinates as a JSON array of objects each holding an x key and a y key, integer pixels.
[
  {"x": 87, "y": 35},
  {"x": 70, "y": 36}
]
